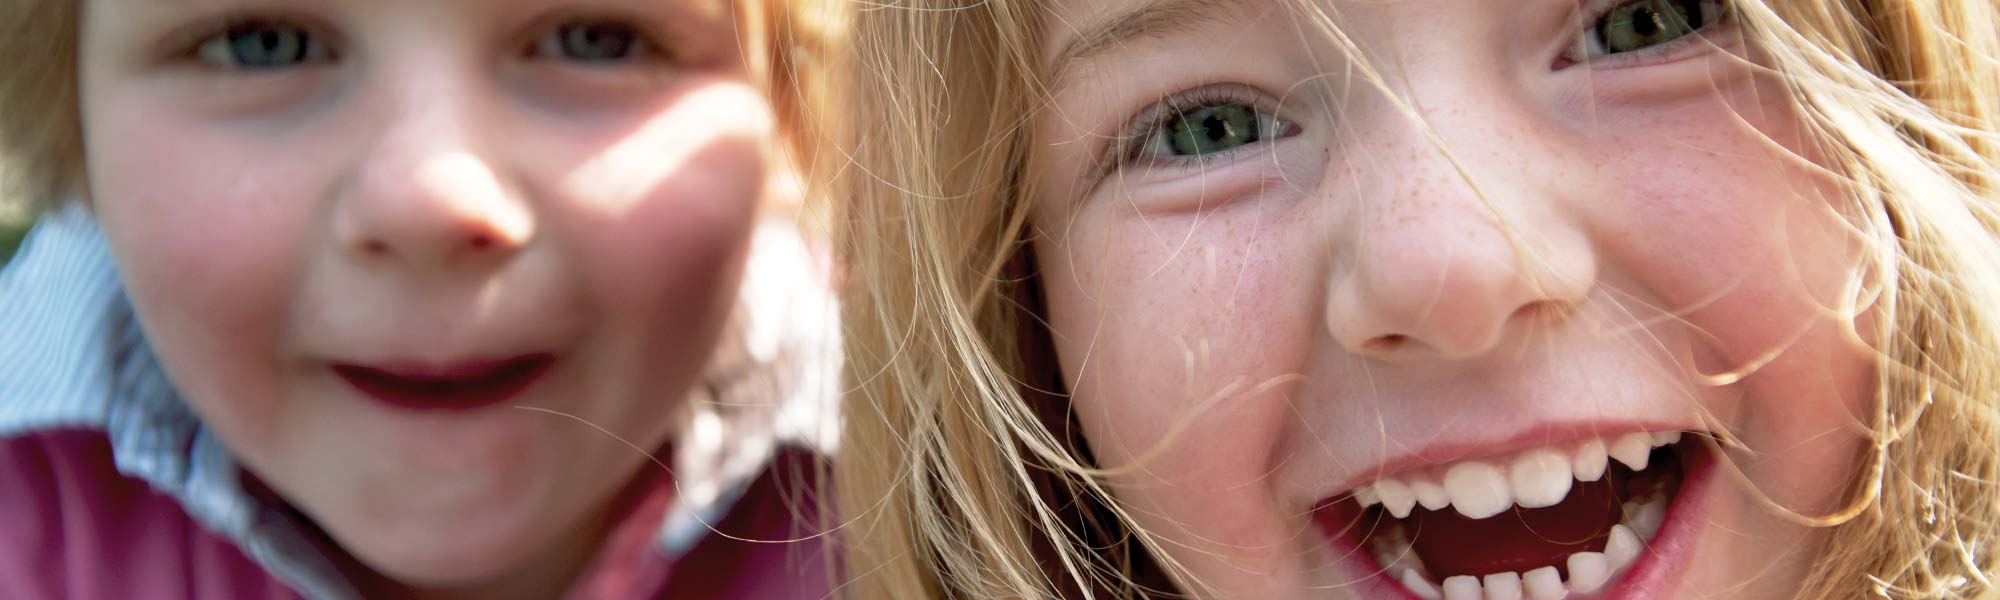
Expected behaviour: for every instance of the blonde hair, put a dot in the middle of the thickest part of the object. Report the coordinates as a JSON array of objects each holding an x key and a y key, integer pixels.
[
  {"x": 960, "y": 471},
  {"x": 791, "y": 44}
]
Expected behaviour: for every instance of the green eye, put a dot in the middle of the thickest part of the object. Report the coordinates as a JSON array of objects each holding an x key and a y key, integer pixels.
[
  {"x": 1642, "y": 24},
  {"x": 1210, "y": 129},
  {"x": 262, "y": 45},
  {"x": 592, "y": 42}
]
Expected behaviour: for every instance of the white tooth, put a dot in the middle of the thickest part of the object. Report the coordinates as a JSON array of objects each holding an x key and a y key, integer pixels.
[
  {"x": 1419, "y": 586},
  {"x": 1393, "y": 550},
  {"x": 1395, "y": 496},
  {"x": 1366, "y": 496},
  {"x": 1503, "y": 586},
  {"x": 1666, "y": 438},
  {"x": 1430, "y": 494},
  {"x": 1646, "y": 517},
  {"x": 1541, "y": 477},
  {"x": 1590, "y": 461},
  {"x": 1587, "y": 572},
  {"x": 1622, "y": 548},
  {"x": 1544, "y": 584},
  {"x": 1477, "y": 489},
  {"x": 1632, "y": 449},
  {"x": 1462, "y": 587}
]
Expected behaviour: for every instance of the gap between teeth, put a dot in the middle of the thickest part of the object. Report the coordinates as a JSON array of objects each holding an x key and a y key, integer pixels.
[
  {"x": 1589, "y": 571},
  {"x": 1535, "y": 478}
]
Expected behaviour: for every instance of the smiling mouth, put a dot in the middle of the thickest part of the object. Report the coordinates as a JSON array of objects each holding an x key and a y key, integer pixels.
[
  {"x": 460, "y": 386},
  {"x": 1544, "y": 524}
]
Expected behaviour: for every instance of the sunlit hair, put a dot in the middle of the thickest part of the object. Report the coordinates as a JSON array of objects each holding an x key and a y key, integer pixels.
[
  {"x": 961, "y": 470},
  {"x": 788, "y": 44}
]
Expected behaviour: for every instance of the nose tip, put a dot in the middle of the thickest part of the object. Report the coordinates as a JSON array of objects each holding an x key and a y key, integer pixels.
[
  {"x": 1453, "y": 300},
  {"x": 434, "y": 211}
]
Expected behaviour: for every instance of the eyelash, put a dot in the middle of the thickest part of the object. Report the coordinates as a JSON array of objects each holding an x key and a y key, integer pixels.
[
  {"x": 189, "y": 45},
  {"x": 1125, "y": 147}
]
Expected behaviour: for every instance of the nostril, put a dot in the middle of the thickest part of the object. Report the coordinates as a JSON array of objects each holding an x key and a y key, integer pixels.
[
  {"x": 482, "y": 242},
  {"x": 374, "y": 247},
  {"x": 1384, "y": 343}
]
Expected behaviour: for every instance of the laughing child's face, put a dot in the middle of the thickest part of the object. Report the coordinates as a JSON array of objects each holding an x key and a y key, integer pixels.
[
  {"x": 1448, "y": 360},
  {"x": 387, "y": 249}
]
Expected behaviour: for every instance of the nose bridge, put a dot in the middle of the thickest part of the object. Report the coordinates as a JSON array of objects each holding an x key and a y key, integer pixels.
[
  {"x": 426, "y": 187},
  {"x": 1455, "y": 239}
]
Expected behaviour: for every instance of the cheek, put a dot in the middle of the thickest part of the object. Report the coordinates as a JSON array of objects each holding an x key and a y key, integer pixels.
[
  {"x": 666, "y": 266},
  {"x": 1758, "y": 261},
  {"x": 1176, "y": 336},
  {"x": 210, "y": 252}
]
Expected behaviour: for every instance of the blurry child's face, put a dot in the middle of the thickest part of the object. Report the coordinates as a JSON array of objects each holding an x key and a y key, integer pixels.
[
  {"x": 380, "y": 245},
  {"x": 1453, "y": 372}
]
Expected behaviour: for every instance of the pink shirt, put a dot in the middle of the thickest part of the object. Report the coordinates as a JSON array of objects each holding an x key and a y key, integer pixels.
[{"x": 72, "y": 527}]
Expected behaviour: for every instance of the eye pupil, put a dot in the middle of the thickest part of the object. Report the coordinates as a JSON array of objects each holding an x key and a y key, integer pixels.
[
  {"x": 1212, "y": 129},
  {"x": 267, "y": 46},
  {"x": 1643, "y": 23},
  {"x": 598, "y": 42}
]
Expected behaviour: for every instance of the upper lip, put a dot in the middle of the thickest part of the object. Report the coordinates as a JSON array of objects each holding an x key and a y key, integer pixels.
[
  {"x": 439, "y": 370},
  {"x": 1446, "y": 452}
]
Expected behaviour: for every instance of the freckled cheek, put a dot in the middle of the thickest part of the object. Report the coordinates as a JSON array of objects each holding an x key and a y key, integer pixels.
[{"x": 1168, "y": 342}]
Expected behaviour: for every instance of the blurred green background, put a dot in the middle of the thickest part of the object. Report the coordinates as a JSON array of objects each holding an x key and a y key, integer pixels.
[{"x": 12, "y": 227}]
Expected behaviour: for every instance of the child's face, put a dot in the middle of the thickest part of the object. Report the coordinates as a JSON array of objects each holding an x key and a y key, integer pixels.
[
  {"x": 437, "y": 272},
  {"x": 1333, "y": 311}
]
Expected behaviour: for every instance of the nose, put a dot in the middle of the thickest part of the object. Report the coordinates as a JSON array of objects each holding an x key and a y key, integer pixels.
[
  {"x": 1448, "y": 256},
  {"x": 429, "y": 193}
]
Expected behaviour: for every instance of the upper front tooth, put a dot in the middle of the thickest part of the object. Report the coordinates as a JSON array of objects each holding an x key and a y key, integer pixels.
[
  {"x": 1590, "y": 461},
  {"x": 1477, "y": 489},
  {"x": 1366, "y": 496},
  {"x": 1632, "y": 449},
  {"x": 1396, "y": 497},
  {"x": 1666, "y": 438},
  {"x": 1429, "y": 493},
  {"x": 1541, "y": 478}
]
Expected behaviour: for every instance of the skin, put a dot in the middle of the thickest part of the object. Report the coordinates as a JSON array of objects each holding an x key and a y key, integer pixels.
[
  {"x": 435, "y": 189},
  {"x": 1324, "y": 308}
]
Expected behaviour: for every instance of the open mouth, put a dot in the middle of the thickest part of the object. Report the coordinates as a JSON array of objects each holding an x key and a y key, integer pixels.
[
  {"x": 460, "y": 386},
  {"x": 1543, "y": 524}
]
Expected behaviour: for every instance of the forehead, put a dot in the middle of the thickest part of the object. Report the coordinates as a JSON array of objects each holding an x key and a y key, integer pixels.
[{"x": 133, "y": 8}]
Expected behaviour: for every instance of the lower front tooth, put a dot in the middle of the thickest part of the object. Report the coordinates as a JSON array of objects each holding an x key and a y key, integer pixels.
[
  {"x": 1587, "y": 572},
  {"x": 1646, "y": 517},
  {"x": 1462, "y": 587},
  {"x": 1416, "y": 583},
  {"x": 1622, "y": 547},
  {"x": 1503, "y": 586},
  {"x": 1544, "y": 584}
]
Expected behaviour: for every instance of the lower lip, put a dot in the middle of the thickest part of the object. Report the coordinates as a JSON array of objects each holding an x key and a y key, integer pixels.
[
  {"x": 1649, "y": 577},
  {"x": 459, "y": 387}
]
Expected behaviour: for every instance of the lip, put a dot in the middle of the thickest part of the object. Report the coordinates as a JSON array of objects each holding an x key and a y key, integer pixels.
[
  {"x": 1666, "y": 556},
  {"x": 452, "y": 386}
]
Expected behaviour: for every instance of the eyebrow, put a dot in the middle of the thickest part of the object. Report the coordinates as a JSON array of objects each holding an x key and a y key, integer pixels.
[{"x": 1153, "y": 20}]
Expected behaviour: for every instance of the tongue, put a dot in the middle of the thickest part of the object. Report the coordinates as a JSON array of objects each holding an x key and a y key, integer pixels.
[{"x": 1523, "y": 539}]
